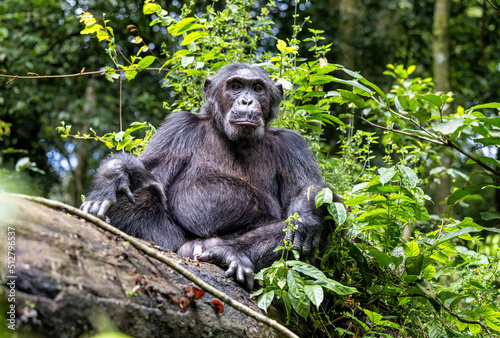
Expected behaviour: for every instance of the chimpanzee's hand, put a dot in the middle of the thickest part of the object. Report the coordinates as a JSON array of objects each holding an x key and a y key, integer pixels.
[
  {"x": 239, "y": 265},
  {"x": 305, "y": 240},
  {"x": 111, "y": 179}
]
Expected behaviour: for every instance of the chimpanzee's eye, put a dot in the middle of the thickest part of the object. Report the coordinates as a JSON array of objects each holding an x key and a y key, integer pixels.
[
  {"x": 235, "y": 86},
  {"x": 258, "y": 88}
]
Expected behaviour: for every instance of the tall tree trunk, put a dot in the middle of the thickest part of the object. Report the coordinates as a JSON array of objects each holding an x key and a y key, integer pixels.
[
  {"x": 441, "y": 63},
  {"x": 83, "y": 148},
  {"x": 349, "y": 10}
]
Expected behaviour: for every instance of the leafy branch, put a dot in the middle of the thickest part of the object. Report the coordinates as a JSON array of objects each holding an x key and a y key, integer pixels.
[{"x": 81, "y": 73}]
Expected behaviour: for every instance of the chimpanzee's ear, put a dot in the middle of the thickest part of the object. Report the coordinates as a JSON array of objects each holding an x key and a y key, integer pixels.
[
  {"x": 207, "y": 85},
  {"x": 280, "y": 88}
]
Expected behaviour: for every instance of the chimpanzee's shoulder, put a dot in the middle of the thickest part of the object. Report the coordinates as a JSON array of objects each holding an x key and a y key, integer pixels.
[
  {"x": 285, "y": 137},
  {"x": 180, "y": 133},
  {"x": 183, "y": 119}
]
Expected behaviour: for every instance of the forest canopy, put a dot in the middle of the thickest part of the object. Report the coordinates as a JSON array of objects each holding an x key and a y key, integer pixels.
[{"x": 399, "y": 101}]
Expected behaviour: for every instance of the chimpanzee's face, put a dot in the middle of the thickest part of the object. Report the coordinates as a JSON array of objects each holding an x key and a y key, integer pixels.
[
  {"x": 242, "y": 99},
  {"x": 246, "y": 102}
]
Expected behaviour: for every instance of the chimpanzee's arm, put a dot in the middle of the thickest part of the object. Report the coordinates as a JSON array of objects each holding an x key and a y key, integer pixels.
[
  {"x": 119, "y": 173},
  {"x": 163, "y": 158},
  {"x": 300, "y": 180}
]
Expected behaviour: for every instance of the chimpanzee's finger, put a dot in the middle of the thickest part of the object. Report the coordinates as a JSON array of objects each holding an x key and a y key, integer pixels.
[
  {"x": 103, "y": 209},
  {"x": 232, "y": 269},
  {"x": 197, "y": 250},
  {"x": 129, "y": 194},
  {"x": 95, "y": 208},
  {"x": 306, "y": 247},
  {"x": 248, "y": 277},
  {"x": 206, "y": 256},
  {"x": 124, "y": 188},
  {"x": 288, "y": 236},
  {"x": 240, "y": 276},
  {"x": 86, "y": 206},
  {"x": 297, "y": 241},
  {"x": 315, "y": 244}
]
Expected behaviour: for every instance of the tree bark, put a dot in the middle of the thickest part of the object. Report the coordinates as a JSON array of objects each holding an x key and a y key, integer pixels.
[
  {"x": 73, "y": 279},
  {"x": 349, "y": 10},
  {"x": 441, "y": 63}
]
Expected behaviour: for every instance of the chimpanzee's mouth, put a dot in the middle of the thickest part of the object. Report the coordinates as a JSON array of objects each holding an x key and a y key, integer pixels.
[{"x": 246, "y": 123}]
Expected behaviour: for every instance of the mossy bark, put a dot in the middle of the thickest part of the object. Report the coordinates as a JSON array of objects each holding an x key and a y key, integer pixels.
[{"x": 76, "y": 279}]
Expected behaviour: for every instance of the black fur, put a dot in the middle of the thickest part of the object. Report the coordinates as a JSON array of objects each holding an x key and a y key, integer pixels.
[{"x": 207, "y": 184}]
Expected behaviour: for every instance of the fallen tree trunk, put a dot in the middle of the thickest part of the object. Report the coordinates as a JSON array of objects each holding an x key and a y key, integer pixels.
[{"x": 72, "y": 278}]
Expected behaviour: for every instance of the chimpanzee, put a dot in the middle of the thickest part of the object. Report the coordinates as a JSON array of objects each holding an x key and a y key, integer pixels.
[{"x": 217, "y": 185}]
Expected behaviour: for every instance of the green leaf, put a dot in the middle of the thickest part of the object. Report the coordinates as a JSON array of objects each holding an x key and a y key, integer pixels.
[
  {"x": 381, "y": 258},
  {"x": 320, "y": 79},
  {"x": 359, "y": 187},
  {"x": 332, "y": 119},
  {"x": 315, "y": 294},
  {"x": 461, "y": 193},
  {"x": 295, "y": 283},
  {"x": 409, "y": 176},
  {"x": 413, "y": 265},
  {"x": 123, "y": 144},
  {"x": 338, "y": 212},
  {"x": 386, "y": 174},
  {"x": 477, "y": 284},
  {"x": 339, "y": 288},
  {"x": 423, "y": 115},
  {"x": 351, "y": 97},
  {"x": 474, "y": 328},
  {"x": 265, "y": 300},
  {"x": 406, "y": 102},
  {"x": 133, "y": 127},
  {"x": 493, "y": 323},
  {"x": 488, "y": 141},
  {"x": 373, "y": 316},
  {"x": 492, "y": 229},
  {"x": 286, "y": 301},
  {"x": 146, "y": 62},
  {"x": 485, "y": 105},
  {"x": 192, "y": 37},
  {"x": 324, "y": 196},
  {"x": 487, "y": 160},
  {"x": 461, "y": 326},
  {"x": 354, "y": 84},
  {"x": 350, "y": 315},
  {"x": 184, "y": 25},
  {"x": 356, "y": 200},
  {"x": 259, "y": 291},
  {"x": 130, "y": 74},
  {"x": 436, "y": 330},
  {"x": 111, "y": 77},
  {"x": 449, "y": 127},
  {"x": 91, "y": 29},
  {"x": 432, "y": 98},
  {"x": 410, "y": 279},
  {"x": 429, "y": 272},
  {"x": 301, "y": 305},
  {"x": 377, "y": 89},
  {"x": 490, "y": 121},
  {"x": 307, "y": 269},
  {"x": 412, "y": 249},
  {"x": 360, "y": 259},
  {"x": 450, "y": 235},
  {"x": 186, "y": 60},
  {"x": 372, "y": 213},
  {"x": 150, "y": 8},
  {"x": 486, "y": 311}
]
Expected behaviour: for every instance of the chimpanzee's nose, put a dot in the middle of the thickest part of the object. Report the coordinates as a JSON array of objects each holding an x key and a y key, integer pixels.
[{"x": 246, "y": 101}]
